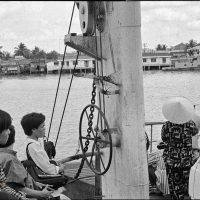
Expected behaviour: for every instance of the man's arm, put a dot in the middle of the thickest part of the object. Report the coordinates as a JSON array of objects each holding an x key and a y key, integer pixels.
[
  {"x": 31, "y": 193},
  {"x": 41, "y": 159}
]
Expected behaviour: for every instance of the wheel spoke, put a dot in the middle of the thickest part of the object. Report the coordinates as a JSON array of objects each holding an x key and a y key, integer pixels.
[
  {"x": 101, "y": 137},
  {"x": 87, "y": 138},
  {"x": 101, "y": 123},
  {"x": 101, "y": 159},
  {"x": 97, "y": 119},
  {"x": 103, "y": 141},
  {"x": 93, "y": 146}
]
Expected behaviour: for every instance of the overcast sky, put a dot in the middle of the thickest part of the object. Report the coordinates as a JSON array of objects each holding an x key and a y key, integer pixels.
[{"x": 44, "y": 23}]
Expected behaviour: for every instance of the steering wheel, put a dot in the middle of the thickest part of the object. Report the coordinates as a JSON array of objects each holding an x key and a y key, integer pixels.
[{"x": 94, "y": 129}]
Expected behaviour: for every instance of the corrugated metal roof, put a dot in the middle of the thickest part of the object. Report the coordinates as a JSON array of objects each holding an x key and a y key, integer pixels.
[
  {"x": 155, "y": 54},
  {"x": 74, "y": 55},
  {"x": 14, "y": 62}
]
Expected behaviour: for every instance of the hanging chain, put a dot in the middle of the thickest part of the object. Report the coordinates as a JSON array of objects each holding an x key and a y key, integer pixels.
[{"x": 89, "y": 130}]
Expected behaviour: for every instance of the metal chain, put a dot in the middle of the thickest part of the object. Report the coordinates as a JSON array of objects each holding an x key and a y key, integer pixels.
[
  {"x": 90, "y": 119},
  {"x": 92, "y": 102},
  {"x": 89, "y": 127}
]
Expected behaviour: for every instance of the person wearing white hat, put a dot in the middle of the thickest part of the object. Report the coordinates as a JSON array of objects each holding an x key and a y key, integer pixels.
[{"x": 177, "y": 134}]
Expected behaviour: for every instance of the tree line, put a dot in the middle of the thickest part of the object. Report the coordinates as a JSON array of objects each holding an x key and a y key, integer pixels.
[
  {"x": 22, "y": 50},
  {"x": 192, "y": 43}
]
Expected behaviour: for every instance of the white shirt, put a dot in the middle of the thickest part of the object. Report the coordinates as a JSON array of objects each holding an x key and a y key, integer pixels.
[{"x": 40, "y": 157}]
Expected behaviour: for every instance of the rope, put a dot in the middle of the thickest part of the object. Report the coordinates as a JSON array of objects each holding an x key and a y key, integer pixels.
[
  {"x": 100, "y": 99},
  {"x": 67, "y": 98},
  {"x": 60, "y": 74},
  {"x": 102, "y": 66}
]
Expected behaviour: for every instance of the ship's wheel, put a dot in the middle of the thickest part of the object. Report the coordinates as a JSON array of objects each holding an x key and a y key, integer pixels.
[{"x": 94, "y": 135}]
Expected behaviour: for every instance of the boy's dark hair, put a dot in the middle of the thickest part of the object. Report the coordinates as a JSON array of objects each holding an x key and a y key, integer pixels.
[
  {"x": 32, "y": 121},
  {"x": 11, "y": 138},
  {"x": 5, "y": 120}
]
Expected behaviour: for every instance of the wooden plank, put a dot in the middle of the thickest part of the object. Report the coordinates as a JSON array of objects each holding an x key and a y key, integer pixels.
[{"x": 72, "y": 168}]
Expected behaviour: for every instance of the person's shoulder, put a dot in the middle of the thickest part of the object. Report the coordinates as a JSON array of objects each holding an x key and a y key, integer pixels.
[
  {"x": 7, "y": 154},
  {"x": 9, "y": 158},
  {"x": 166, "y": 124},
  {"x": 32, "y": 144},
  {"x": 34, "y": 148}
]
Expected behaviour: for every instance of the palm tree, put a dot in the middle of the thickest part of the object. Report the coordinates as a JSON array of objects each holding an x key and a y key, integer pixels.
[
  {"x": 164, "y": 47},
  {"x": 22, "y": 50},
  {"x": 7, "y": 55},
  {"x": 35, "y": 53},
  {"x": 192, "y": 43},
  {"x": 159, "y": 47},
  {"x": 42, "y": 54},
  {"x": 52, "y": 55},
  {"x": 1, "y": 53}
]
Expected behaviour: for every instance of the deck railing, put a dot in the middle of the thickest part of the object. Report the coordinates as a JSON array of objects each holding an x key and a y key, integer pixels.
[{"x": 151, "y": 131}]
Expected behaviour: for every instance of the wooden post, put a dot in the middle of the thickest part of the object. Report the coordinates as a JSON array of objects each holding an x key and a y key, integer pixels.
[{"x": 127, "y": 177}]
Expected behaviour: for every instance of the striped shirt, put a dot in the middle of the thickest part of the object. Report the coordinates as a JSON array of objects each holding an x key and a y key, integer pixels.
[{"x": 7, "y": 189}]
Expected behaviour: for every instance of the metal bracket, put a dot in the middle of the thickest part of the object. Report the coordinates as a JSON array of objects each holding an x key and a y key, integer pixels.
[
  {"x": 107, "y": 79},
  {"x": 112, "y": 78},
  {"x": 116, "y": 137},
  {"x": 115, "y": 134},
  {"x": 106, "y": 92},
  {"x": 85, "y": 44}
]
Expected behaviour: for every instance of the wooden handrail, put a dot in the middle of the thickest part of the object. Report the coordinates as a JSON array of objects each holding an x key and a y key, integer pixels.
[
  {"x": 153, "y": 123},
  {"x": 151, "y": 134}
]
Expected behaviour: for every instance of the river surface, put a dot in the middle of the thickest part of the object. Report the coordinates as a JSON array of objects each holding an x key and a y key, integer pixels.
[{"x": 24, "y": 94}]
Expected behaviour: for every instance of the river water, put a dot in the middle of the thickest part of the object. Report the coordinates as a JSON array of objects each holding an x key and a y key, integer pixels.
[{"x": 23, "y": 94}]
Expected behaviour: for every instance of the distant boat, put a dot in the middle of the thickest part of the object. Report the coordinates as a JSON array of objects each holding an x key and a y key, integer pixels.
[
  {"x": 185, "y": 64},
  {"x": 182, "y": 69}
]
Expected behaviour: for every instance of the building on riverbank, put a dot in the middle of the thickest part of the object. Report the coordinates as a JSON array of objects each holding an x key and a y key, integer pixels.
[
  {"x": 156, "y": 60},
  {"x": 38, "y": 66},
  {"x": 85, "y": 64},
  {"x": 14, "y": 66},
  {"x": 151, "y": 60}
]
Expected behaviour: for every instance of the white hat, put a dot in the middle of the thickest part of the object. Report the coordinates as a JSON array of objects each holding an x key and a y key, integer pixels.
[{"x": 178, "y": 110}]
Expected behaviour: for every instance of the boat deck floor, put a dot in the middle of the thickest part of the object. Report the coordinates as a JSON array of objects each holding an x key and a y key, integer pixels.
[
  {"x": 72, "y": 168},
  {"x": 84, "y": 188}
]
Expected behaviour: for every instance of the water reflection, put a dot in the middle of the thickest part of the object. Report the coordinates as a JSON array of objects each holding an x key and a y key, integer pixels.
[{"x": 23, "y": 94}]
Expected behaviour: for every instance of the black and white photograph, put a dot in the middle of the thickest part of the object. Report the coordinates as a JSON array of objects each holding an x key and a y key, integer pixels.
[{"x": 99, "y": 100}]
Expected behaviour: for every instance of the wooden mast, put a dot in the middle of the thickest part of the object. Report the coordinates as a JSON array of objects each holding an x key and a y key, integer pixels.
[{"x": 127, "y": 177}]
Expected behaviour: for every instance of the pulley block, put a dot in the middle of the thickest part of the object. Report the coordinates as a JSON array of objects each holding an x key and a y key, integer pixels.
[
  {"x": 87, "y": 17},
  {"x": 91, "y": 16}
]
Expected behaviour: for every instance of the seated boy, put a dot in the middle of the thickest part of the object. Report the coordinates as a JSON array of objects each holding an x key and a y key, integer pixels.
[
  {"x": 33, "y": 125},
  {"x": 16, "y": 175}
]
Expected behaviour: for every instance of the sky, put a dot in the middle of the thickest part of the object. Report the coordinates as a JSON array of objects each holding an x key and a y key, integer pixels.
[{"x": 45, "y": 23}]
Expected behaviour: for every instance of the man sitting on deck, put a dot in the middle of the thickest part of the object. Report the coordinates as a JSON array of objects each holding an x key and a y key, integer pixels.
[{"x": 33, "y": 125}]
